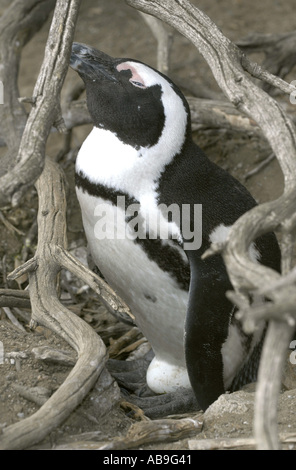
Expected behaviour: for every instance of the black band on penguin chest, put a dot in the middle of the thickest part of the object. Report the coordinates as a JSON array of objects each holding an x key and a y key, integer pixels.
[{"x": 165, "y": 256}]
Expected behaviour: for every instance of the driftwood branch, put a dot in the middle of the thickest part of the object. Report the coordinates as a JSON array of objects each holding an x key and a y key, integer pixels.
[
  {"x": 14, "y": 298},
  {"x": 244, "y": 443},
  {"x": 219, "y": 114},
  {"x": 279, "y": 50},
  {"x": 141, "y": 434},
  {"x": 43, "y": 269},
  {"x": 46, "y": 98},
  {"x": 17, "y": 26},
  {"x": 164, "y": 42},
  {"x": 230, "y": 69},
  {"x": 164, "y": 430},
  {"x": 49, "y": 312}
]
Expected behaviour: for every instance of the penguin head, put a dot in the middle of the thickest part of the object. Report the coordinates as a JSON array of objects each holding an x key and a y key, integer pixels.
[{"x": 131, "y": 99}]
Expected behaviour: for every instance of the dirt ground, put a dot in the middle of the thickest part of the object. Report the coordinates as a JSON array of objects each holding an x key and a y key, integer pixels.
[{"x": 115, "y": 28}]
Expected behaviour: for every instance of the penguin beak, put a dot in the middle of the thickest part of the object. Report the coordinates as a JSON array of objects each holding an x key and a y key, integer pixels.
[{"x": 92, "y": 64}]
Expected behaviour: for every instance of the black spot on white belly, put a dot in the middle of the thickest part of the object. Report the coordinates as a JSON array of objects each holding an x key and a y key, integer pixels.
[{"x": 151, "y": 298}]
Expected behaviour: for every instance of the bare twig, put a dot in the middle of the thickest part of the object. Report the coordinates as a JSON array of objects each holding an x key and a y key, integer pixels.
[
  {"x": 269, "y": 385},
  {"x": 17, "y": 26},
  {"x": 54, "y": 356},
  {"x": 9, "y": 226},
  {"x": 65, "y": 260},
  {"x": 218, "y": 114},
  {"x": 164, "y": 40},
  {"x": 34, "y": 394},
  {"x": 164, "y": 430},
  {"x": 279, "y": 50},
  {"x": 14, "y": 298},
  {"x": 289, "y": 279},
  {"x": 244, "y": 443},
  {"x": 12, "y": 318},
  {"x": 29, "y": 241},
  {"x": 118, "y": 345},
  {"x": 30, "y": 159},
  {"x": 259, "y": 72},
  {"x": 49, "y": 312},
  {"x": 259, "y": 167}
]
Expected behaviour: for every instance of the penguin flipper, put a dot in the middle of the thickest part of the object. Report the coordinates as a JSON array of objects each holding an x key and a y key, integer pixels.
[
  {"x": 206, "y": 327},
  {"x": 248, "y": 373}
]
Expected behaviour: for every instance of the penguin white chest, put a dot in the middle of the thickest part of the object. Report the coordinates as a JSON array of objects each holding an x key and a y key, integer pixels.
[{"x": 155, "y": 298}]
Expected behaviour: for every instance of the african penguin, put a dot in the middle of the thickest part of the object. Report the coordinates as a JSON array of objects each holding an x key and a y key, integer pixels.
[{"x": 152, "y": 203}]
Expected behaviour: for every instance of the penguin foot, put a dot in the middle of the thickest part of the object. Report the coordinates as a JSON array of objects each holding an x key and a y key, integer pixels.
[
  {"x": 159, "y": 406},
  {"x": 131, "y": 378},
  {"x": 131, "y": 375}
]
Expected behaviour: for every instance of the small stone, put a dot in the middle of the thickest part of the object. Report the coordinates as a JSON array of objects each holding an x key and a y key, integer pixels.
[{"x": 56, "y": 356}]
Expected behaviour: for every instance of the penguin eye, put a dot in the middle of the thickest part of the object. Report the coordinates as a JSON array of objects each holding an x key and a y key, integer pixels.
[{"x": 138, "y": 84}]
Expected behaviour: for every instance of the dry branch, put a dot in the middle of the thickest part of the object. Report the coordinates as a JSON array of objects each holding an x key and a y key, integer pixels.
[
  {"x": 17, "y": 25},
  {"x": 163, "y": 430},
  {"x": 259, "y": 167},
  {"x": 65, "y": 260},
  {"x": 214, "y": 114},
  {"x": 12, "y": 318},
  {"x": 49, "y": 312},
  {"x": 45, "y": 111},
  {"x": 229, "y": 66},
  {"x": 121, "y": 343},
  {"x": 243, "y": 443},
  {"x": 76, "y": 114},
  {"x": 279, "y": 49},
  {"x": 140, "y": 434},
  {"x": 164, "y": 42},
  {"x": 50, "y": 257},
  {"x": 14, "y": 298}
]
